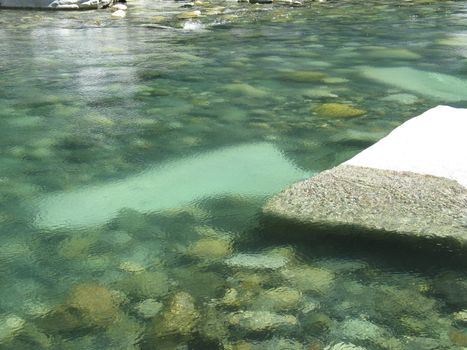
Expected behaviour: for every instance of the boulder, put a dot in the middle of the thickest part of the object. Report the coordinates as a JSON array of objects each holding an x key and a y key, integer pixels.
[{"x": 412, "y": 182}]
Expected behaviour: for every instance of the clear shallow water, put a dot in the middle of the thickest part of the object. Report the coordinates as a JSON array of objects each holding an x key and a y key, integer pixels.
[{"x": 87, "y": 102}]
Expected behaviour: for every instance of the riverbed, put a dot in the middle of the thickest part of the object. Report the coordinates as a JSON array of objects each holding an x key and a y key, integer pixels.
[{"x": 136, "y": 155}]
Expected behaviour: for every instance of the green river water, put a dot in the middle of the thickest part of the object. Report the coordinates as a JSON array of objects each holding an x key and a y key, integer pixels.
[{"x": 135, "y": 156}]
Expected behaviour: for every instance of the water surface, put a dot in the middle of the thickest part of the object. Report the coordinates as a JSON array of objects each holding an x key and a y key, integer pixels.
[{"x": 87, "y": 102}]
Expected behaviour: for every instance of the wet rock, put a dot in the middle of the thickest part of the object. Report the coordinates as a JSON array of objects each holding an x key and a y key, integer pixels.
[
  {"x": 338, "y": 110},
  {"x": 356, "y": 329},
  {"x": 231, "y": 298},
  {"x": 259, "y": 321},
  {"x": 405, "y": 99},
  {"x": 210, "y": 249},
  {"x": 118, "y": 14},
  {"x": 202, "y": 284},
  {"x": 277, "y": 299},
  {"x": 189, "y": 14},
  {"x": 96, "y": 304},
  {"x": 460, "y": 316},
  {"x": 309, "y": 279},
  {"x": 148, "y": 308},
  {"x": 146, "y": 284},
  {"x": 458, "y": 337},
  {"x": 392, "y": 53},
  {"x": 316, "y": 323},
  {"x": 212, "y": 325},
  {"x": 131, "y": 266},
  {"x": 304, "y": 76},
  {"x": 440, "y": 86},
  {"x": 319, "y": 92},
  {"x": 256, "y": 261},
  {"x": 119, "y": 6},
  {"x": 248, "y": 280},
  {"x": 335, "y": 80},
  {"x": 343, "y": 346},
  {"x": 279, "y": 344},
  {"x": 76, "y": 246},
  {"x": 180, "y": 318},
  {"x": 10, "y": 325},
  {"x": 125, "y": 333},
  {"x": 246, "y": 89}
]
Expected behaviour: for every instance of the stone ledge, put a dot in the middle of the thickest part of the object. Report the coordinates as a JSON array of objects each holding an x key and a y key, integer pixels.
[
  {"x": 412, "y": 183},
  {"x": 402, "y": 202}
]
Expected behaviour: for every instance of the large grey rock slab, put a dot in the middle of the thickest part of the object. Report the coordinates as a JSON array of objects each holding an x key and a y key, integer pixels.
[
  {"x": 55, "y": 4},
  {"x": 412, "y": 182}
]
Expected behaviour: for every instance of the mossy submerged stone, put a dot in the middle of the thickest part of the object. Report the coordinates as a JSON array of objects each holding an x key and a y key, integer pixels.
[{"x": 338, "y": 110}]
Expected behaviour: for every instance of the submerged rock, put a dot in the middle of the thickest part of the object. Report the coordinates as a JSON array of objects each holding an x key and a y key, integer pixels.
[
  {"x": 9, "y": 326},
  {"x": 443, "y": 87},
  {"x": 310, "y": 279},
  {"x": 149, "y": 308},
  {"x": 338, "y": 110},
  {"x": 257, "y": 261},
  {"x": 210, "y": 248},
  {"x": 405, "y": 183},
  {"x": 180, "y": 318},
  {"x": 343, "y": 346},
  {"x": 97, "y": 305},
  {"x": 304, "y": 76},
  {"x": 258, "y": 321},
  {"x": 146, "y": 284},
  {"x": 238, "y": 170},
  {"x": 278, "y": 299}
]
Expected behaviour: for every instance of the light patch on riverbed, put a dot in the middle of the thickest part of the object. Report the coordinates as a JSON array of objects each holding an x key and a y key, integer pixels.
[{"x": 245, "y": 170}]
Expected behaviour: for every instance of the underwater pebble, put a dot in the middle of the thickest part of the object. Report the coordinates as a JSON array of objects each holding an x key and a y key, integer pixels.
[
  {"x": 9, "y": 326},
  {"x": 405, "y": 99},
  {"x": 257, "y": 261},
  {"x": 343, "y": 346},
  {"x": 338, "y": 110},
  {"x": 96, "y": 303},
  {"x": 310, "y": 279},
  {"x": 210, "y": 248},
  {"x": 359, "y": 329},
  {"x": 278, "y": 299},
  {"x": 180, "y": 318},
  {"x": 260, "y": 320},
  {"x": 460, "y": 316},
  {"x": 149, "y": 308},
  {"x": 131, "y": 266},
  {"x": 304, "y": 76}
]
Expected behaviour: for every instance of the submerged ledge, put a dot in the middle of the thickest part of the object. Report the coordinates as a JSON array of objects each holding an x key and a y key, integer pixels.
[{"x": 412, "y": 183}]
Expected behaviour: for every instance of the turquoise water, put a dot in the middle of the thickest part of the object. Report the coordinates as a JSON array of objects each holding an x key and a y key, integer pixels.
[{"x": 136, "y": 155}]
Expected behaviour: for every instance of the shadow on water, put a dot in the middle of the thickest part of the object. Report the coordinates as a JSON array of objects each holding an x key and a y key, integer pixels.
[{"x": 391, "y": 251}]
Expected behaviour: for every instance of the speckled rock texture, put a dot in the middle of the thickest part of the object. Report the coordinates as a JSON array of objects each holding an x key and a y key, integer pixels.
[
  {"x": 375, "y": 199},
  {"x": 412, "y": 182}
]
